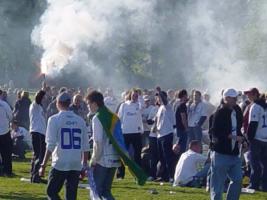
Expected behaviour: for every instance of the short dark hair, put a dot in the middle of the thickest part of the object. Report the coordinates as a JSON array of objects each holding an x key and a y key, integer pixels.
[
  {"x": 1, "y": 92},
  {"x": 96, "y": 97},
  {"x": 65, "y": 104},
  {"x": 182, "y": 93},
  {"x": 194, "y": 143},
  {"x": 198, "y": 92},
  {"x": 39, "y": 96}
]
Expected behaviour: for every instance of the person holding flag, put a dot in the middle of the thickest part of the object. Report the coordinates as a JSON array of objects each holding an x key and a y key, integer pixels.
[{"x": 108, "y": 148}]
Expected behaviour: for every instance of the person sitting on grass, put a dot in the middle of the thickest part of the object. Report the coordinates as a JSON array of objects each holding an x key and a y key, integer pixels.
[
  {"x": 18, "y": 135},
  {"x": 189, "y": 169}
]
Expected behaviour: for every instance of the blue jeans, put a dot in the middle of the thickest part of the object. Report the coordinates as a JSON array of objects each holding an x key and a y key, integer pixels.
[
  {"x": 200, "y": 177},
  {"x": 103, "y": 177},
  {"x": 222, "y": 166},
  {"x": 56, "y": 180},
  {"x": 194, "y": 133},
  {"x": 258, "y": 164},
  {"x": 182, "y": 135}
]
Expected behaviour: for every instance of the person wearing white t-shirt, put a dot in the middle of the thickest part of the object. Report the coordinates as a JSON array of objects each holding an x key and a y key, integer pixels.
[
  {"x": 37, "y": 130},
  {"x": 130, "y": 114},
  {"x": 257, "y": 135},
  {"x": 105, "y": 159},
  {"x": 110, "y": 101},
  {"x": 153, "y": 144},
  {"x": 5, "y": 138},
  {"x": 19, "y": 137},
  {"x": 165, "y": 124},
  {"x": 67, "y": 143},
  {"x": 190, "y": 166},
  {"x": 145, "y": 114},
  {"x": 197, "y": 115}
]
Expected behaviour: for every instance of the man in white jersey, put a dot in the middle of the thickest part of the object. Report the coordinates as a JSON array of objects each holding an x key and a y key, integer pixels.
[
  {"x": 130, "y": 114},
  {"x": 67, "y": 142},
  {"x": 110, "y": 100},
  {"x": 197, "y": 115},
  {"x": 257, "y": 135}
]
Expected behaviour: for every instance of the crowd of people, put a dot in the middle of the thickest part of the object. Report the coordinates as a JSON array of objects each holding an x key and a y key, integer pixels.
[{"x": 165, "y": 132}]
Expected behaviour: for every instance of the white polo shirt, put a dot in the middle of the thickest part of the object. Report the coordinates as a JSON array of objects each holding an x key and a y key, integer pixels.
[
  {"x": 37, "y": 119},
  {"x": 195, "y": 112},
  {"x": 188, "y": 165},
  {"x": 258, "y": 114},
  {"x": 67, "y": 138},
  {"x": 5, "y": 117},
  {"x": 130, "y": 114}
]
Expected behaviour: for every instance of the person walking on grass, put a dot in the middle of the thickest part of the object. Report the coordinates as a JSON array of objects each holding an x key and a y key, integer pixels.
[
  {"x": 108, "y": 148},
  {"x": 226, "y": 138},
  {"x": 67, "y": 142},
  {"x": 37, "y": 130}
]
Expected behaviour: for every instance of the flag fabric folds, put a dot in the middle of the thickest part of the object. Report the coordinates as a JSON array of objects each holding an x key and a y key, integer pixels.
[{"x": 112, "y": 127}]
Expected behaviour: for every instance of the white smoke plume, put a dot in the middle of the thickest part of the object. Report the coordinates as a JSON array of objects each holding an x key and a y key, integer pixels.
[
  {"x": 216, "y": 49},
  {"x": 69, "y": 28},
  {"x": 200, "y": 44}
]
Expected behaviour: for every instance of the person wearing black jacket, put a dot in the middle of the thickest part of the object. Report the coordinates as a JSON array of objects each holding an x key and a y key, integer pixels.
[
  {"x": 226, "y": 135},
  {"x": 21, "y": 110},
  {"x": 257, "y": 136}
]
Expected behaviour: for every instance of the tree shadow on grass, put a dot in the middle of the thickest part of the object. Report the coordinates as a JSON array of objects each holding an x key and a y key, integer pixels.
[
  {"x": 20, "y": 196},
  {"x": 163, "y": 189},
  {"x": 27, "y": 160}
]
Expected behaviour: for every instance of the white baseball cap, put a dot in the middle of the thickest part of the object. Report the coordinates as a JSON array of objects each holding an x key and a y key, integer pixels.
[{"x": 230, "y": 92}]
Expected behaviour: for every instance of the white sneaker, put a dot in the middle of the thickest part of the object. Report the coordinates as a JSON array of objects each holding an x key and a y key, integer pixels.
[{"x": 150, "y": 178}]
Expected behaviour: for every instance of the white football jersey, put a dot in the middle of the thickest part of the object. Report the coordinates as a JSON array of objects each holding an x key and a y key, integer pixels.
[
  {"x": 67, "y": 138},
  {"x": 258, "y": 114},
  {"x": 130, "y": 115}
]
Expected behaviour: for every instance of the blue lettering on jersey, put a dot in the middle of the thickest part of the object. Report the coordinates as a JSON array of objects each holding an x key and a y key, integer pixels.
[
  {"x": 71, "y": 123},
  {"x": 131, "y": 114},
  {"x": 71, "y": 138}
]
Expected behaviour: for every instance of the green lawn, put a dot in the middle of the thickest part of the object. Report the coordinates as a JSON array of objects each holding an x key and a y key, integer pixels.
[{"x": 13, "y": 188}]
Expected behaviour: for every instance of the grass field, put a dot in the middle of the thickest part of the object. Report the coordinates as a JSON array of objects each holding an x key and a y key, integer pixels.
[{"x": 13, "y": 188}]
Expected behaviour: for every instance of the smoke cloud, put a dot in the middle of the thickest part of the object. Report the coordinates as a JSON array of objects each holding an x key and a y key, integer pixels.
[
  {"x": 181, "y": 44},
  {"x": 207, "y": 44}
]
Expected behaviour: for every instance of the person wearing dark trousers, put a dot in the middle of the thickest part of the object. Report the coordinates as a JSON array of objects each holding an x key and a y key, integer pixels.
[
  {"x": 5, "y": 138},
  {"x": 257, "y": 129},
  {"x": 37, "y": 130},
  {"x": 17, "y": 136},
  {"x": 130, "y": 114},
  {"x": 135, "y": 140},
  {"x": 181, "y": 120},
  {"x": 153, "y": 145},
  {"x": 153, "y": 150},
  {"x": 165, "y": 124},
  {"x": 67, "y": 143}
]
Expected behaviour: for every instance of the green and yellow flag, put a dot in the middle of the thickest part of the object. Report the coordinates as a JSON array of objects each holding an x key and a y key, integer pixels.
[{"x": 112, "y": 126}]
